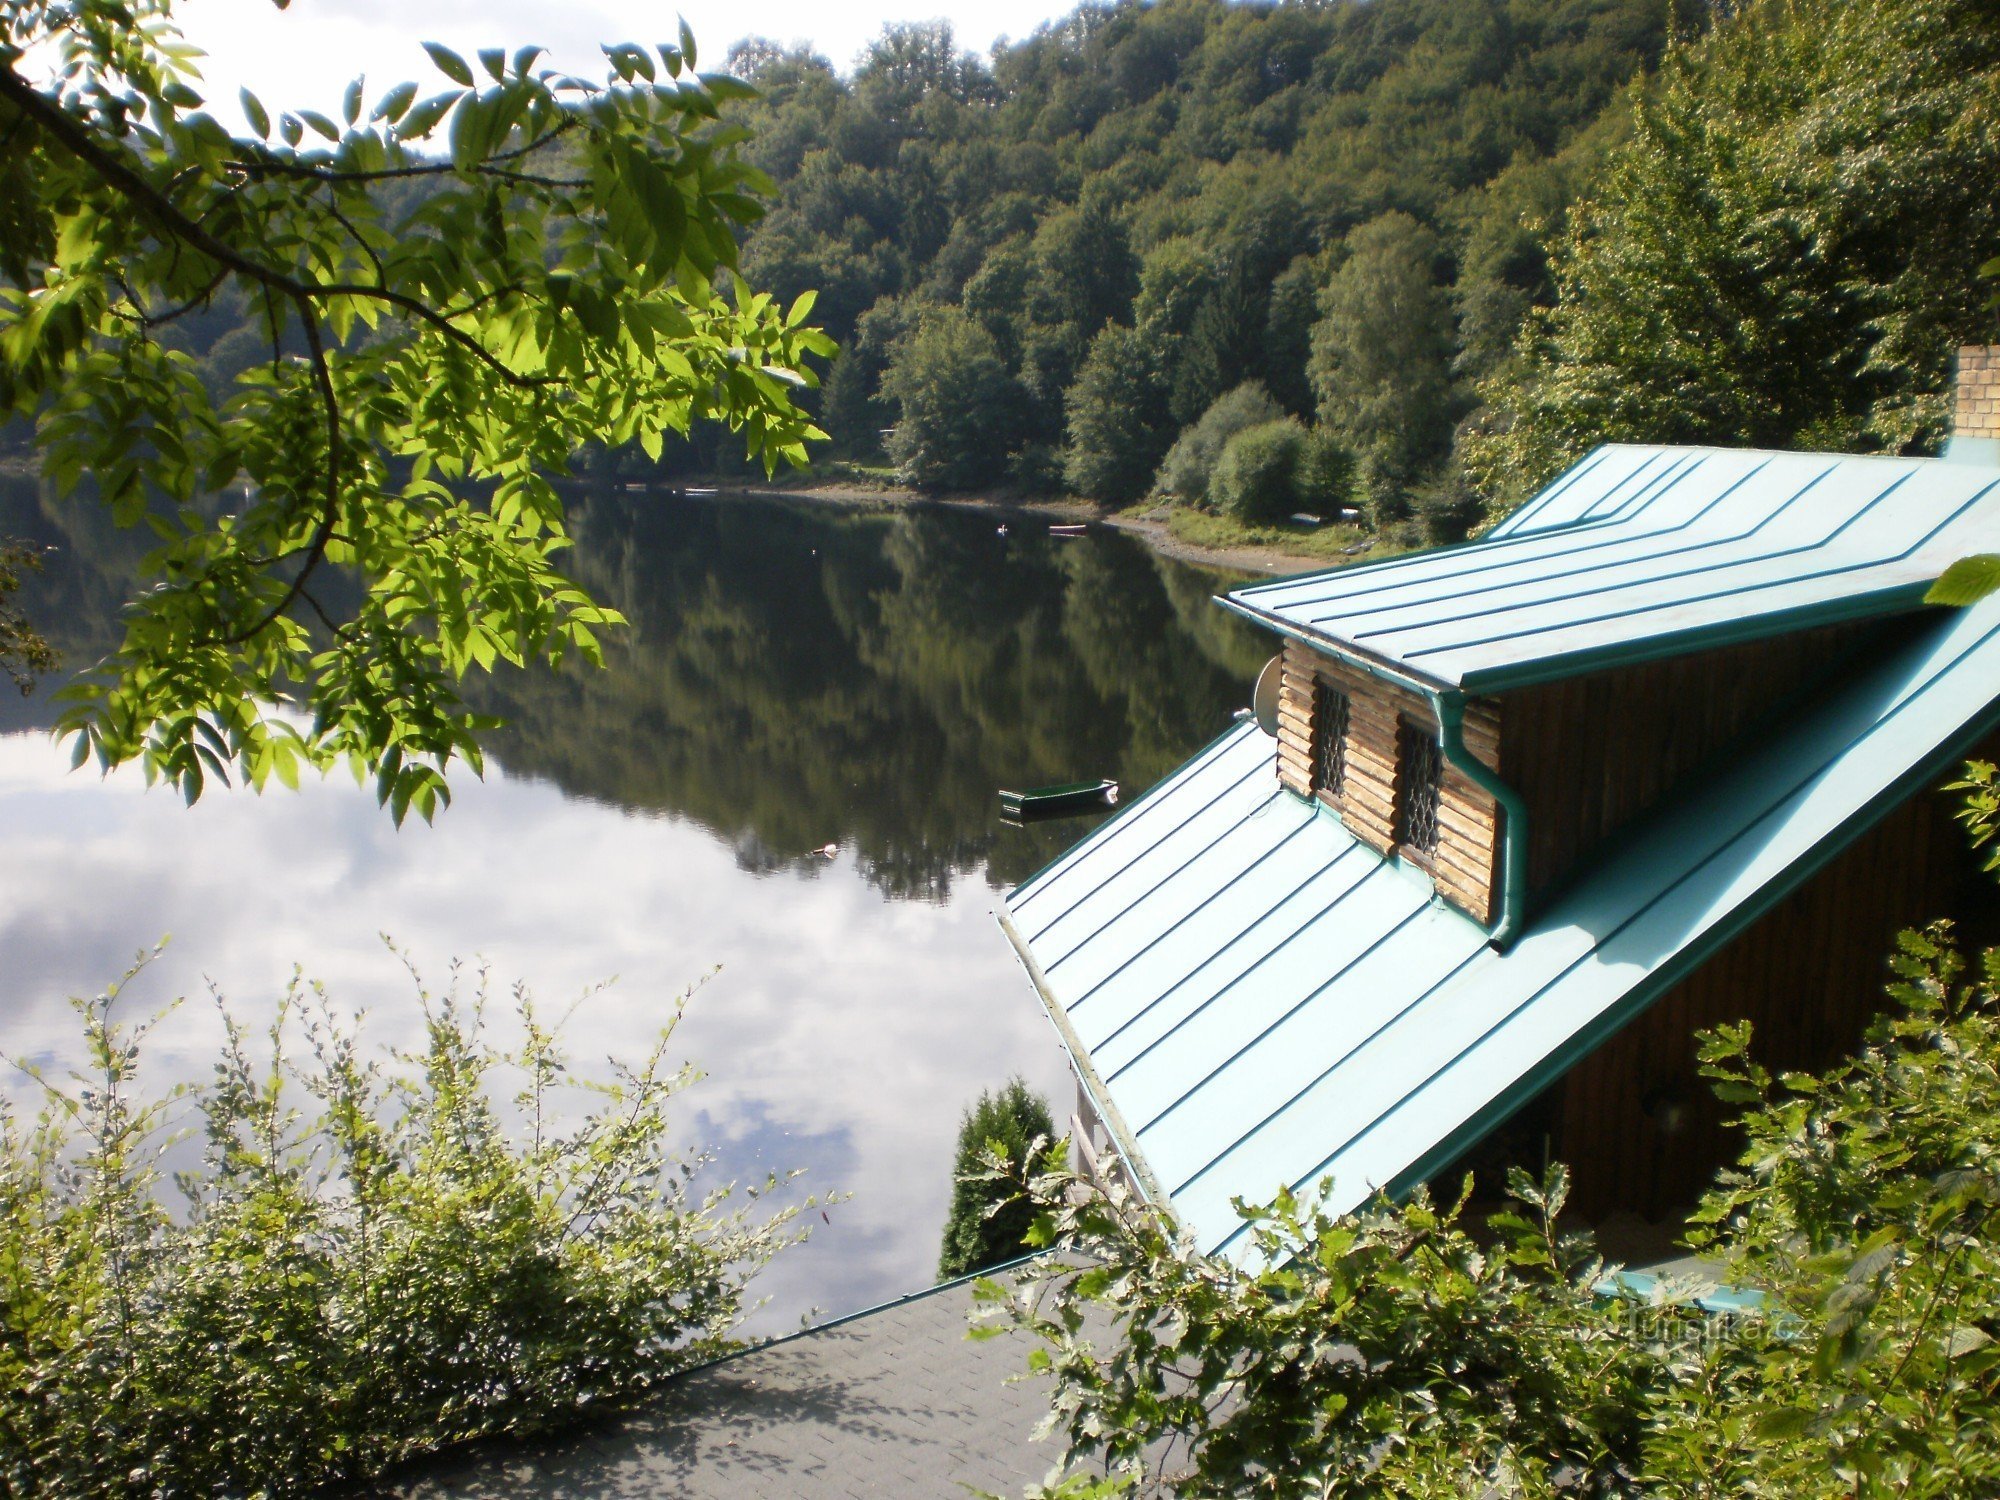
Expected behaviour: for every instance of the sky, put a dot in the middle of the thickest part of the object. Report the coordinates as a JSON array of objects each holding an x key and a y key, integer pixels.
[{"x": 304, "y": 56}]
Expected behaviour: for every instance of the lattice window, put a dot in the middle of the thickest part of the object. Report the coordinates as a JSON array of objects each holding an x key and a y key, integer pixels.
[
  {"x": 1419, "y": 783},
  {"x": 1329, "y": 739}
]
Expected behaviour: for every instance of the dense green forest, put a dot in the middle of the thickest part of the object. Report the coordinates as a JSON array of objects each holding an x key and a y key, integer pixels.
[{"x": 1047, "y": 266}]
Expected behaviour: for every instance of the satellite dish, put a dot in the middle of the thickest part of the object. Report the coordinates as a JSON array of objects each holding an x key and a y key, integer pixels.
[{"x": 1264, "y": 701}]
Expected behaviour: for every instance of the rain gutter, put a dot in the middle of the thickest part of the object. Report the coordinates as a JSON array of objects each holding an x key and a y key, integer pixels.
[{"x": 1449, "y": 707}]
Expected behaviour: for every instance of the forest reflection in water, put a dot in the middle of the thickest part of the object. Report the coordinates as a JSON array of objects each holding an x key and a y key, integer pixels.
[{"x": 795, "y": 676}]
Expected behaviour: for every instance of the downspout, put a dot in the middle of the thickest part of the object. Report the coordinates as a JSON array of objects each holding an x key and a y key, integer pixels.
[{"x": 1450, "y": 709}]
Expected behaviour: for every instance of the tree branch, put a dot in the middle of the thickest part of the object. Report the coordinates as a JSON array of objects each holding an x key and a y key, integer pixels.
[
  {"x": 323, "y": 378},
  {"x": 124, "y": 179}
]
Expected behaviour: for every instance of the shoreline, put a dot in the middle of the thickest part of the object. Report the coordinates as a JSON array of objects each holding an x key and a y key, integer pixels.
[{"x": 1273, "y": 561}]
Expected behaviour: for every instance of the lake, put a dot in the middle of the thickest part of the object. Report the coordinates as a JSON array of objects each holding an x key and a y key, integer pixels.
[{"x": 796, "y": 676}]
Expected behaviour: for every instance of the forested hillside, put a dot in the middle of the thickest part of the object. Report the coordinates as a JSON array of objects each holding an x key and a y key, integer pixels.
[
  {"x": 1045, "y": 267},
  {"x": 1403, "y": 259}
]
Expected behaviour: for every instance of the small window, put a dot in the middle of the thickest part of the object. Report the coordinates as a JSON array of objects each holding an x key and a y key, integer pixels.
[
  {"x": 1329, "y": 740},
  {"x": 1419, "y": 783}
]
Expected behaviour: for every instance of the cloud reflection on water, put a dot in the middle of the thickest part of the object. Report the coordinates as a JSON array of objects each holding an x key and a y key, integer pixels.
[{"x": 844, "y": 1033}]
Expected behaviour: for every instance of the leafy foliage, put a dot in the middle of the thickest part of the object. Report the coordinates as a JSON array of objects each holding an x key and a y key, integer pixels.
[
  {"x": 988, "y": 1220},
  {"x": 435, "y": 336},
  {"x": 1194, "y": 171},
  {"x": 1190, "y": 463},
  {"x": 1118, "y": 424},
  {"x": 375, "y": 1258},
  {"x": 1404, "y": 1350},
  {"x": 1786, "y": 251},
  {"x": 1257, "y": 478},
  {"x": 1381, "y": 358}
]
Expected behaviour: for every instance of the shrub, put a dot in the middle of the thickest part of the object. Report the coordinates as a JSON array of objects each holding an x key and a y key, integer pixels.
[
  {"x": 1257, "y": 478},
  {"x": 1446, "y": 505},
  {"x": 1190, "y": 463},
  {"x": 988, "y": 1222},
  {"x": 1326, "y": 474},
  {"x": 369, "y": 1264},
  {"x": 1403, "y": 1351}
]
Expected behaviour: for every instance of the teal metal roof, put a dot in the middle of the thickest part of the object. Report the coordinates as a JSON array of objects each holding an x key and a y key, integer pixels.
[
  {"x": 1640, "y": 552},
  {"x": 1256, "y": 1000}
]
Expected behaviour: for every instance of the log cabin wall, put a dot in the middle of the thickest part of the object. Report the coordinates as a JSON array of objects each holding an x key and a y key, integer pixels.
[
  {"x": 1590, "y": 754},
  {"x": 1464, "y": 865},
  {"x": 1637, "y": 1124}
]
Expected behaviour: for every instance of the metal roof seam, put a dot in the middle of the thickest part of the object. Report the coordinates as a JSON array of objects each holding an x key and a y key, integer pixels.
[
  {"x": 1729, "y": 632},
  {"x": 1121, "y": 820},
  {"x": 1572, "y": 571},
  {"x": 1199, "y": 907},
  {"x": 1048, "y": 924},
  {"x": 1321, "y": 1077},
  {"x": 1682, "y": 603},
  {"x": 1079, "y": 945},
  {"x": 1372, "y": 568},
  {"x": 1123, "y": 1137},
  {"x": 1588, "y": 464},
  {"x": 1255, "y": 964},
  {"x": 1708, "y": 567},
  {"x": 1616, "y": 540}
]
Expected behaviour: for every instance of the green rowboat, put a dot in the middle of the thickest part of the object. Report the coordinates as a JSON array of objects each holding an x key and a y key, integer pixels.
[{"x": 1045, "y": 801}]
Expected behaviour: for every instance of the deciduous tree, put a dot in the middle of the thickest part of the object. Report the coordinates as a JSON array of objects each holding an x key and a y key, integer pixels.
[{"x": 368, "y": 514}]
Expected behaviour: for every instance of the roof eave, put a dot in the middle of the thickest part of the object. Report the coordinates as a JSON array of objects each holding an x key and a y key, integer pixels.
[
  {"x": 1123, "y": 1140},
  {"x": 1898, "y": 599},
  {"x": 1533, "y": 672},
  {"x": 1373, "y": 663}
]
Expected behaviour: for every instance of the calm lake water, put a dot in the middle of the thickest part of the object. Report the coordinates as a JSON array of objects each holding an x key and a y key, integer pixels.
[{"x": 795, "y": 676}]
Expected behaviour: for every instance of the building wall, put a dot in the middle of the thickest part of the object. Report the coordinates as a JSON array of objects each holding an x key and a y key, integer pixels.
[
  {"x": 1591, "y": 754},
  {"x": 1635, "y": 1121},
  {"x": 1464, "y": 866}
]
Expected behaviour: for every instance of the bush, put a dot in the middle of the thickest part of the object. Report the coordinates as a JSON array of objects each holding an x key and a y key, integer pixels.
[
  {"x": 989, "y": 1218},
  {"x": 1190, "y": 463},
  {"x": 368, "y": 1265},
  {"x": 1405, "y": 1351},
  {"x": 1326, "y": 474},
  {"x": 1257, "y": 477},
  {"x": 1447, "y": 507}
]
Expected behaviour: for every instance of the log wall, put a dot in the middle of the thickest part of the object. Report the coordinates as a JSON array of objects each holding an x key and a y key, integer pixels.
[{"x": 1464, "y": 867}]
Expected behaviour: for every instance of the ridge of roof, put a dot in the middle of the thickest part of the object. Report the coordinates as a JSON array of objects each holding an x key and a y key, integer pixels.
[{"x": 1640, "y": 552}]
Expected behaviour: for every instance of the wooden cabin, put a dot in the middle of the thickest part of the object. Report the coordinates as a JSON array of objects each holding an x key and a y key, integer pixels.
[{"x": 1525, "y": 814}]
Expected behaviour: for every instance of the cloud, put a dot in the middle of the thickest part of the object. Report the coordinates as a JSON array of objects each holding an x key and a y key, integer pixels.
[{"x": 844, "y": 1032}]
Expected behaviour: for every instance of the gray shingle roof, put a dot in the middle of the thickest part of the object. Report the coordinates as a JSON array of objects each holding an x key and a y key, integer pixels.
[{"x": 896, "y": 1402}]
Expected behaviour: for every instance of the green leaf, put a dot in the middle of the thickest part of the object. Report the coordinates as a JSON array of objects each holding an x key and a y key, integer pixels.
[
  {"x": 350, "y": 104},
  {"x": 422, "y": 120},
  {"x": 254, "y": 112},
  {"x": 687, "y": 42},
  {"x": 395, "y": 104},
  {"x": 449, "y": 63},
  {"x": 320, "y": 123},
  {"x": 494, "y": 60},
  {"x": 1966, "y": 581},
  {"x": 291, "y": 130}
]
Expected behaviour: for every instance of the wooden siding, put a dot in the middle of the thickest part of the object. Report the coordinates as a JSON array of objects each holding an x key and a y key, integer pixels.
[
  {"x": 1464, "y": 866},
  {"x": 1591, "y": 754},
  {"x": 1635, "y": 1121}
]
